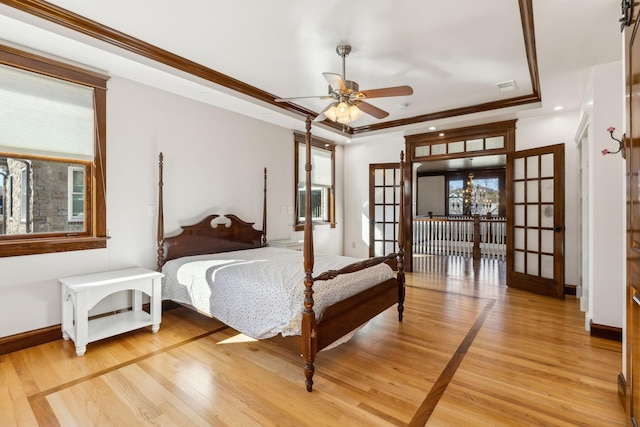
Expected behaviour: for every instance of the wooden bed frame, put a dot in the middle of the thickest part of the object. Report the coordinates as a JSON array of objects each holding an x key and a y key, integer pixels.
[{"x": 338, "y": 319}]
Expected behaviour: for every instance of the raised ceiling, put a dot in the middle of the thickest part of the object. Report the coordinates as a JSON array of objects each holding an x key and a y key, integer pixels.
[{"x": 241, "y": 54}]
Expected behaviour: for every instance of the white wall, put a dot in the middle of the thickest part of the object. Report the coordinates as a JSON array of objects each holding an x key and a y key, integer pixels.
[
  {"x": 430, "y": 195},
  {"x": 607, "y": 202},
  {"x": 358, "y": 156},
  {"x": 214, "y": 162}
]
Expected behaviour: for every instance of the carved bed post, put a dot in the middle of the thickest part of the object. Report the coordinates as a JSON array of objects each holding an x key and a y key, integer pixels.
[
  {"x": 309, "y": 327},
  {"x": 160, "y": 235},
  {"x": 264, "y": 211},
  {"x": 400, "y": 275}
]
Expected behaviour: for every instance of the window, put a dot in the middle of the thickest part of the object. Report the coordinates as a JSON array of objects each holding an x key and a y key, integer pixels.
[
  {"x": 75, "y": 194},
  {"x": 322, "y": 181},
  {"x": 478, "y": 192},
  {"x": 52, "y": 163},
  {"x": 455, "y": 191},
  {"x": 24, "y": 185}
]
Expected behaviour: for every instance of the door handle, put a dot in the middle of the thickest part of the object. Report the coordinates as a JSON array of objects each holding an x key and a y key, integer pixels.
[{"x": 557, "y": 229}]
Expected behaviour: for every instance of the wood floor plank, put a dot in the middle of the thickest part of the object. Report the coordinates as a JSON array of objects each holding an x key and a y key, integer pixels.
[{"x": 14, "y": 404}]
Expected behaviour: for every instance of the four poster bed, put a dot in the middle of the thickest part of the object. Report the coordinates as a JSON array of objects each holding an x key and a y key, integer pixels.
[{"x": 228, "y": 272}]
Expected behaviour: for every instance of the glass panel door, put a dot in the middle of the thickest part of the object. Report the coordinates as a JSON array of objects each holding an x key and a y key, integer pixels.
[
  {"x": 536, "y": 215},
  {"x": 384, "y": 208}
]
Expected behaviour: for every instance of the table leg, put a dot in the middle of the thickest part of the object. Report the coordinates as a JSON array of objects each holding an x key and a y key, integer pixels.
[
  {"x": 67, "y": 312},
  {"x": 82, "y": 323},
  {"x": 155, "y": 304}
]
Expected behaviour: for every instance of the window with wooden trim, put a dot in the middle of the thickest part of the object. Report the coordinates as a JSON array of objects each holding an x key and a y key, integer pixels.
[
  {"x": 52, "y": 155},
  {"x": 484, "y": 197},
  {"x": 322, "y": 181}
]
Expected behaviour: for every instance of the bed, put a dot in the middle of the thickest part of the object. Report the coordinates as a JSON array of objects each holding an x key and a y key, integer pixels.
[{"x": 228, "y": 271}]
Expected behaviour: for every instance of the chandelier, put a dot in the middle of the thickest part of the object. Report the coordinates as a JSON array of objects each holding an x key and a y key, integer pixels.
[{"x": 475, "y": 200}]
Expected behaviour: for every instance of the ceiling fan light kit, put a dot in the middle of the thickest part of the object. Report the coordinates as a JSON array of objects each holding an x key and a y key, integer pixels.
[
  {"x": 343, "y": 112},
  {"x": 349, "y": 104}
]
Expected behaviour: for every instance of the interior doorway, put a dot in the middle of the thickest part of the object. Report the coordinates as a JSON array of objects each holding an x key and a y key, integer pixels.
[
  {"x": 534, "y": 199},
  {"x": 447, "y": 194},
  {"x": 458, "y": 154}
]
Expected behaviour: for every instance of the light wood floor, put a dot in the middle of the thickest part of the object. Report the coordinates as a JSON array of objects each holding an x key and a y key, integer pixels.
[{"x": 470, "y": 352}]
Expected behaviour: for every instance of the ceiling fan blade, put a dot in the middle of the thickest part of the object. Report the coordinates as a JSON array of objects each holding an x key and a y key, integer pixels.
[
  {"x": 387, "y": 91},
  {"x": 335, "y": 81},
  {"x": 320, "y": 117},
  {"x": 372, "y": 110},
  {"x": 302, "y": 97}
]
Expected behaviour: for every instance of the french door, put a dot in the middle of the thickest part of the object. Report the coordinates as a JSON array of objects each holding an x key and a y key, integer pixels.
[
  {"x": 384, "y": 208},
  {"x": 535, "y": 217}
]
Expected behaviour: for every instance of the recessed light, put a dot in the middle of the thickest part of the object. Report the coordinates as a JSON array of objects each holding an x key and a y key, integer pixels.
[
  {"x": 441, "y": 134},
  {"x": 432, "y": 128},
  {"x": 558, "y": 108}
]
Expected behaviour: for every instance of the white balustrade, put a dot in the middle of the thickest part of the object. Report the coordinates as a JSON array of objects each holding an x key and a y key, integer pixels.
[{"x": 454, "y": 236}]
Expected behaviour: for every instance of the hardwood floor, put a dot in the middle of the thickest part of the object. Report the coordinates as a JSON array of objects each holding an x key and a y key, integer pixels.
[{"x": 470, "y": 352}]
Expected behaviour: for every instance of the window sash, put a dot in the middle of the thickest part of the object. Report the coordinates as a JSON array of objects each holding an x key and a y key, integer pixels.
[
  {"x": 319, "y": 203},
  {"x": 76, "y": 193}
]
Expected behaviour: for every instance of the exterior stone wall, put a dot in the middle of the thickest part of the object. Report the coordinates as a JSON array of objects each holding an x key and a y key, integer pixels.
[
  {"x": 47, "y": 207},
  {"x": 50, "y": 201}
]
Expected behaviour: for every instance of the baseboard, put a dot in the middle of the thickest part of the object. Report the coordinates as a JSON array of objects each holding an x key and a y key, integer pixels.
[
  {"x": 622, "y": 391},
  {"x": 570, "y": 290},
  {"x": 50, "y": 333},
  {"x": 607, "y": 332},
  {"x": 29, "y": 339}
]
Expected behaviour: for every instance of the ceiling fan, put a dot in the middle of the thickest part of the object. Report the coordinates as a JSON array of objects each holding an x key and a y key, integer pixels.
[{"x": 348, "y": 100}]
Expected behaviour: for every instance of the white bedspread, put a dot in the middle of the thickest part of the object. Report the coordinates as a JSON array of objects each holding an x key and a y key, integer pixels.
[{"x": 260, "y": 292}]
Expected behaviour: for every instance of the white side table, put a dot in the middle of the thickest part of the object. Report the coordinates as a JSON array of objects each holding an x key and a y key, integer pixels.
[{"x": 81, "y": 293}]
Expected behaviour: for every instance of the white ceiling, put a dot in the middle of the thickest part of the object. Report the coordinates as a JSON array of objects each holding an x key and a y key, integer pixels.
[{"x": 452, "y": 54}]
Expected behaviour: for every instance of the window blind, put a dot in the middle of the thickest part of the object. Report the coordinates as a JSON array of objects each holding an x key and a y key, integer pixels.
[
  {"x": 45, "y": 116},
  {"x": 321, "y": 166}
]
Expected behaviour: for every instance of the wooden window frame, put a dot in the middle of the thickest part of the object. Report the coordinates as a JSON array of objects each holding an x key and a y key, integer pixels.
[
  {"x": 299, "y": 138},
  {"x": 499, "y": 174},
  {"x": 95, "y": 234}
]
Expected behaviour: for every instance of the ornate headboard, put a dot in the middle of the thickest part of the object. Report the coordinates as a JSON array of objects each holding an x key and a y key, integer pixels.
[{"x": 206, "y": 237}]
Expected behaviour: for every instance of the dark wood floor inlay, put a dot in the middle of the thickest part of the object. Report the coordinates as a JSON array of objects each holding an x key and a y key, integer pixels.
[{"x": 428, "y": 405}]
